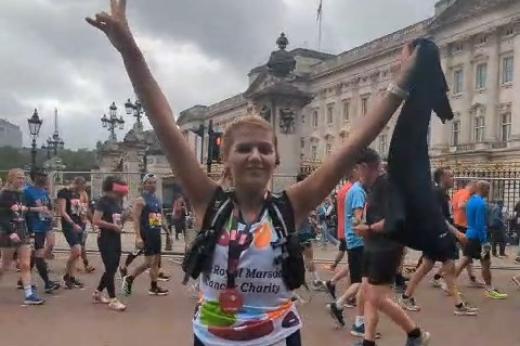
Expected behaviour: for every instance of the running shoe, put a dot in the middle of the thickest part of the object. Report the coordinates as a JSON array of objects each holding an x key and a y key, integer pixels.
[
  {"x": 409, "y": 304},
  {"x": 163, "y": 277},
  {"x": 517, "y": 260},
  {"x": 33, "y": 299},
  {"x": 99, "y": 298},
  {"x": 496, "y": 294},
  {"x": 336, "y": 314},
  {"x": 126, "y": 286},
  {"x": 331, "y": 288},
  {"x": 423, "y": 340},
  {"x": 116, "y": 305},
  {"x": 359, "y": 331},
  {"x": 51, "y": 286},
  {"x": 76, "y": 282},
  {"x": 465, "y": 310},
  {"x": 68, "y": 283},
  {"x": 19, "y": 284},
  {"x": 158, "y": 291}
]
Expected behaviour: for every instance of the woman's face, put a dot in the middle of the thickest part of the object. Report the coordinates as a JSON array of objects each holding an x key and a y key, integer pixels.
[
  {"x": 18, "y": 181},
  {"x": 252, "y": 157}
]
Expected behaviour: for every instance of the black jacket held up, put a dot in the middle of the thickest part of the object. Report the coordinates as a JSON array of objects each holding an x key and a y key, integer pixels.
[{"x": 413, "y": 215}]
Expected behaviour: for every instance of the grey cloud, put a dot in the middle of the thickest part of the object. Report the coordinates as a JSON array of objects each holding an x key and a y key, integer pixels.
[{"x": 50, "y": 57}]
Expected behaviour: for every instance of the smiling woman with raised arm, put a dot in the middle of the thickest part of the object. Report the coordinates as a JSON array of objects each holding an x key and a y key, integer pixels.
[{"x": 246, "y": 298}]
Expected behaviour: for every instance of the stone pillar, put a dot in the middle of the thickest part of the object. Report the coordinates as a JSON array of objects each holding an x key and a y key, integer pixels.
[
  {"x": 491, "y": 93},
  {"x": 515, "y": 106},
  {"x": 288, "y": 148}
]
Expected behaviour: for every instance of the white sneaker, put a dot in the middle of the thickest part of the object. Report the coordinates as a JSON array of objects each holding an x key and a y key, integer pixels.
[
  {"x": 116, "y": 305},
  {"x": 99, "y": 298}
]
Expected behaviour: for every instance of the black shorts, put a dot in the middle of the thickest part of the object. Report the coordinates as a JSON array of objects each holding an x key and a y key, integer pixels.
[
  {"x": 473, "y": 249},
  {"x": 355, "y": 264},
  {"x": 380, "y": 264},
  {"x": 72, "y": 237},
  {"x": 152, "y": 243},
  {"x": 39, "y": 240},
  {"x": 342, "y": 245},
  {"x": 445, "y": 250}
]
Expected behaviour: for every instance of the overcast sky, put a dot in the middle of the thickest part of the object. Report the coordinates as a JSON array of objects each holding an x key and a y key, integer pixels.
[{"x": 199, "y": 50}]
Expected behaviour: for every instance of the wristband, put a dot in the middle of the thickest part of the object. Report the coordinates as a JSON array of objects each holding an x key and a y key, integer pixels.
[{"x": 397, "y": 91}]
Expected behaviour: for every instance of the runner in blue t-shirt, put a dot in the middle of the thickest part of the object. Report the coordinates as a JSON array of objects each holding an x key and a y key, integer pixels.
[{"x": 39, "y": 221}]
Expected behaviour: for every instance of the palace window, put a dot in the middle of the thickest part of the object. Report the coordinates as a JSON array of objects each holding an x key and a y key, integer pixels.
[
  {"x": 315, "y": 118},
  {"x": 455, "y": 133},
  {"x": 507, "y": 69},
  {"x": 505, "y": 127},
  {"x": 346, "y": 111},
  {"x": 364, "y": 105},
  {"x": 481, "y": 76},
  {"x": 458, "y": 81},
  {"x": 480, "y": 124},
  {"x": 330, "y": 113},
  {"x": 328, "y": 149}
]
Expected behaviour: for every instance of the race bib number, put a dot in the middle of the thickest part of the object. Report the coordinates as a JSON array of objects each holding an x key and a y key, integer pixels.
[
  {"x": 75, "y": 207},
  {"x": 116, "y": 219},
  {"x": 155, "y": 219}
]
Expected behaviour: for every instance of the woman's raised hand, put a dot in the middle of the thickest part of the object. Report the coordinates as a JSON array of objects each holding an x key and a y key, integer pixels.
[{"x": 115, "y": 25}]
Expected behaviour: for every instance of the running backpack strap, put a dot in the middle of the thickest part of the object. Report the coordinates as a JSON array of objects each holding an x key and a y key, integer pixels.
[
  {"x": 199, "y": 255},
  {"x": 282, "y": 216}
]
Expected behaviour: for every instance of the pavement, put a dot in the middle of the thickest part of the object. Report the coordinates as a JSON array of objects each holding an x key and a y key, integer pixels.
[{"x": 69, "y": 317}]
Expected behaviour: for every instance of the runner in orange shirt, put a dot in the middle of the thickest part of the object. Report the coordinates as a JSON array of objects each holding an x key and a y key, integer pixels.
[{"x": 459, "y": 201}]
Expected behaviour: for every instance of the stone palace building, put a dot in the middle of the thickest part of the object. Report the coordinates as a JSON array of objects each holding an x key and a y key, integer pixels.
[{"x": 315, "y": 100}]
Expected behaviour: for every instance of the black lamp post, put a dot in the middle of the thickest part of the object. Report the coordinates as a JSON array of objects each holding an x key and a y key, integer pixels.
[
  {"x": 112, "y": 122},
  {"x": 35, "y": 124},
  {"x": 135, "y": 109}
]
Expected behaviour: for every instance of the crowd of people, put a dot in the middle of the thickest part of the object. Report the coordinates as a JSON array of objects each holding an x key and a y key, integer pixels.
[
  {"x": 27, "y": 233},
  {"x": 254, "y": 245}
]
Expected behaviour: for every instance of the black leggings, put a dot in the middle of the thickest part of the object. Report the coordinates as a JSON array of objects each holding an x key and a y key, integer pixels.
[
  {"x": 110, "y": 249},
  {"x": 292, "y": 340}
]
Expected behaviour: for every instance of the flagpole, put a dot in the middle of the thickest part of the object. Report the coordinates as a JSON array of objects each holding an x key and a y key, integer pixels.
[{"x": 319, "y": 17}]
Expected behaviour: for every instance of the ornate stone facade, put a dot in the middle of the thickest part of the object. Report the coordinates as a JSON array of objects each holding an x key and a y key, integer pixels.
[{"x": 317, "y": 104}]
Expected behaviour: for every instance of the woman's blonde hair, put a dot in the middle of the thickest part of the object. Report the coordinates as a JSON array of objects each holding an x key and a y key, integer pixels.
[
  {"x": 252, "y": 121},
  {"x": 11, "y": 176}
]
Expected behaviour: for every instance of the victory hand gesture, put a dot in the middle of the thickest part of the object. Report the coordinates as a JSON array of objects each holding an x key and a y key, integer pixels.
[{"x": 114, "y": 25}]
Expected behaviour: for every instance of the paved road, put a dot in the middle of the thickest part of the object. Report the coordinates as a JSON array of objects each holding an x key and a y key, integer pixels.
[
  {"x": 69, "y": 318},
  {"x": 325, "y": 254}
]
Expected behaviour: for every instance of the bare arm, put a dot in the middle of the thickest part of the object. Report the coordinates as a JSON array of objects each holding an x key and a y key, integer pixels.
[
  {"x": 136, "y": 215},
  {"x": 199, "y": 188},
  {"x": 310, "y": 192},
  {"x": 103, "y": 224}
]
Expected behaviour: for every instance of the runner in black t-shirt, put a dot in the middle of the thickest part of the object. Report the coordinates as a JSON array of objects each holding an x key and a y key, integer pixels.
[
  {"x": 107, "y": 217},
  {"x": 14, "y": 234},
  {"x": 73, "y": 214},
  {"x": 381, "y": 260},
  {"x": 443, "y": 178}
]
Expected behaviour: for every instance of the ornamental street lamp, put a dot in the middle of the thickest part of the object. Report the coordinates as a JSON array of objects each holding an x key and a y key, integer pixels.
[
  {"x": 35, "y": 124},
  {"x": 135, "y": 109},
  {"x": 112, "y": 122}
]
